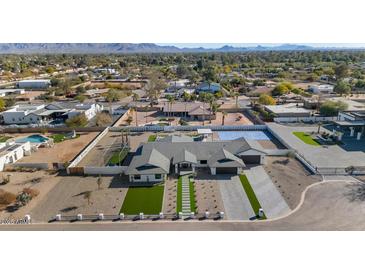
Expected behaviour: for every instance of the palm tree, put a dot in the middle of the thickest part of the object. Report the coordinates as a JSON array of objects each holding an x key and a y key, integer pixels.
[
  {"x": 134, "y": 110},
  {"x": 224, "y": 114},
  {"x": 211, "y": 101},
  {"x": 235, "y": 95},
  {"x": 135, "y": 97},
  {"x": 87, "y": 196}
]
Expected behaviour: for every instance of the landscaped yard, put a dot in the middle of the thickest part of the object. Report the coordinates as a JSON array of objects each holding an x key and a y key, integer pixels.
[
  {"x": 4, "y": 138},
  {"x": 146, "y": 199},
  {"x": 118, "y": 157},
  {"x": 192, "y": 196},
  {"x": 251, "y": 195},
  {"x": 58, "y": 138},
  {"x": 306, "y": 138},
  {"x": 152, "y": 138}
]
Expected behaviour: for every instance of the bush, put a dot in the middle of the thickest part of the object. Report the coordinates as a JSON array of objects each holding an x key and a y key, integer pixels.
[
  {"x": 7, "y": 198},
  {"x": 266, "y": 100},
  {"x": 282, "y": 88},
  {"x": 77, "y": 121},
  {"x": 32, "y": 192}
]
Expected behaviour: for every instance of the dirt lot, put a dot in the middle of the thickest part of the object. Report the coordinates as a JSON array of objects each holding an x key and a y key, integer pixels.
[
  {"x": 39, "y": 180},
  {"x": 290, "y": 177},
  {"x": 111, "y": 142},
  {"x": 60, "y": 152},
  {"x": 68, "y": 197},
  {"x": 232, "y": 119}
]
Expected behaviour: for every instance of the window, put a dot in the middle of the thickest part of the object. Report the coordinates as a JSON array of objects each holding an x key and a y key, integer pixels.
[
  {"x": 203, "y": 162},
  {"x": 137, "y": 177},
  {"x": 158, "y": 176}
]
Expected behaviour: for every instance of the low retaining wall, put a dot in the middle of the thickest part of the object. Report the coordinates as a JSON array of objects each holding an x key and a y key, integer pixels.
[
  {"x": 33, "y": 165},
  {"x": 86, "y": 150},
  {"x": 108, "y": 170},
  {"x": 304, "y": 119},
  {"x": 189, "y": 128}
]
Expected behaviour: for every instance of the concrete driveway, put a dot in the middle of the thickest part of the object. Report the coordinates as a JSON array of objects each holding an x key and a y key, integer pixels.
[
  {"x": 273, "y": 204},
  {"x": 236, "y": 204}
]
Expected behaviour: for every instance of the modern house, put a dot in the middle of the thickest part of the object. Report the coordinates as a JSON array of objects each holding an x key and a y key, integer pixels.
[
  {"x": 354, "y": 121},
  {"x": 43, "y": 114},
  {"x": 11, "y": 152},
  {"x": 189, "y": 110},
  {"x": 208, "y": 87},
  {"x": 153, "y": 161},
  {"x": 289, "y": 110},
  {"x": 34, "y": 84}
]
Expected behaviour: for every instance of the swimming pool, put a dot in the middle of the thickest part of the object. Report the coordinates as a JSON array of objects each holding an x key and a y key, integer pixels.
[
  {"x": 248, "y": 135},
  {"x": 33, "y": 139}
]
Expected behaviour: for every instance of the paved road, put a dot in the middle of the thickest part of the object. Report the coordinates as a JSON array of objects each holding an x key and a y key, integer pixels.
[
  {"x": 270, "y": 198},
  {"x": 236, "y": 204},
  {"x": 326, "y": 207}
]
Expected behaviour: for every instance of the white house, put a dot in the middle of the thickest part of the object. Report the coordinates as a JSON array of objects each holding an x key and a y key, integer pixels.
[
  {"x": 321, "y": 88},
  {"x": 41, "y": 114},
  {"x": 11, "y": 152},
  {"x": 6, "y": 92},
  {"x": 34, "y": 84}
]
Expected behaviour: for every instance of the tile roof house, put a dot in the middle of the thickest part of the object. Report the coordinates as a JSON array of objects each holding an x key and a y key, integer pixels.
[
  {"x": 153, "y": 161},
  {"x": 188, "y": 110}
]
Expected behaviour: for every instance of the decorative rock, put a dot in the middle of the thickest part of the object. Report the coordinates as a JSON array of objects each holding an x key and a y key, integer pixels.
[
  {"x": 101, "y": 216},
  {"x": 221, "y": 215},
  {"x": 161, "y": 215},
  {"x": 58, "y": 217},
  {"x": 141, "y": 216},
  {"x": 206, "y": 214},
  {"x": 27, "y": 218},
  {"x": 121, "y": 216},
  {"x": 79, "y": 217}
]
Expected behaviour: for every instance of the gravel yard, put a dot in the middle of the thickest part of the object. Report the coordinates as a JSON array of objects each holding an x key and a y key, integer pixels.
[
  {"x": 290, "y": 177},
  {"x": 207, "y": 194},
  {"x": 169, "y": 204}
]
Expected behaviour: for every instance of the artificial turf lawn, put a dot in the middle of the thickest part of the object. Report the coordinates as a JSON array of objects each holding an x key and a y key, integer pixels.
[
  {"x": 58, "y": 138},
  {"x": 179, "y": 195},
  {"x": 152, "y": 138},
  {"x": 251, "y": 195},
  {"x": 306, "y": 138},
  {"x": 192, "y": 196},
  {"x": 4, "y": 138},
  {"x": 143, "y": 199},
  {"x": 116, "y": 159}
]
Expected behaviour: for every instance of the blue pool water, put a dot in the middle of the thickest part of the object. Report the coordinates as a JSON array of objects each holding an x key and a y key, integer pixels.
[
  {"x": 33, "y": 139},
  {"x": 248, "y": 135}
]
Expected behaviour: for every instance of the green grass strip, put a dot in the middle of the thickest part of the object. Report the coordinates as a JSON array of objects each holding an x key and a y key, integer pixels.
[
  {"x": 117, "y": 159},
  {"x": 192, "y": 196},
  {"x": 152, "y": 138},
  {"x": 179, "y": 195},
  {"x": 306, "y": 138},
  {"x": 58, "y": 138},
  {"x": 146, "y": 199},
  {"x": 3, "y": 139},
  {"x": 251, "y": 195}
]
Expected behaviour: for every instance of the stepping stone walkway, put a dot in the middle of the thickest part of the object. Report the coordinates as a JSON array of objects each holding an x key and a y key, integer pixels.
[{"x": 186, "y": 210}]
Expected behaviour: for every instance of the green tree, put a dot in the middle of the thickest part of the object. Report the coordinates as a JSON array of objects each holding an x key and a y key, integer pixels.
[
  {"x": 103, "y": 119},
  {"x": 77, "y": 121},
  {"x": 2, "y": 104},
  {"x": 282, "y": 88},
  {"x": 331, "y": 108},
  {"x": 341, "y": 71},
  {"x": 342, "y": 87},
  {"x": 80, "y": 98},
  {"x": 112, "y": 95}
]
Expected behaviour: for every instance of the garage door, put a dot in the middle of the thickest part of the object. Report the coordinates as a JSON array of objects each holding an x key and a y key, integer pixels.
[
  {"x": 251, "y": 159},
  {"x": 226, "y": 170}
]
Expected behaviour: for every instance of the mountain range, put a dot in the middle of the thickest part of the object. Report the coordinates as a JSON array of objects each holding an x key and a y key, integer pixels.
[{"x": 125, "y": 48}]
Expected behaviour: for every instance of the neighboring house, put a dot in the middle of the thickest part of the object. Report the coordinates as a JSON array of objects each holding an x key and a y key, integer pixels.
[
  {"x": 11, "y": 152},
  {"x": 153, "y": 161},
  {"x": 7, "y": 92},
  {"x": 353, "y": 121},
  {"x": 289, "y": 110},
  {"x": 208, "y": 87},
  {"x": 43, "y": 114},
  {"x": 173, "y": 86},
  {"x": 321, "y": 88},
  {"x": 34, "y": 84},
  {"x": 118, "y": 110},
  {"x": 189, "y": 110}
]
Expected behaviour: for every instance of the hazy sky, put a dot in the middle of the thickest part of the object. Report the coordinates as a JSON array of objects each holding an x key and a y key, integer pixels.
[{"x": 218, "y": 45}]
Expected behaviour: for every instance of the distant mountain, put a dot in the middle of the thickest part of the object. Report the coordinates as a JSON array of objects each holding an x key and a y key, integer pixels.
[{"x": 125, "y": 48}]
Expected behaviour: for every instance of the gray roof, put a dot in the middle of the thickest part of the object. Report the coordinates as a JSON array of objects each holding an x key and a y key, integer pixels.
[
  {"x": 184, "y": 156},
  {"x": 157, "y": 156},
  {"x": 150, "y": 161},
  {"x": 224, "y": 158}
]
